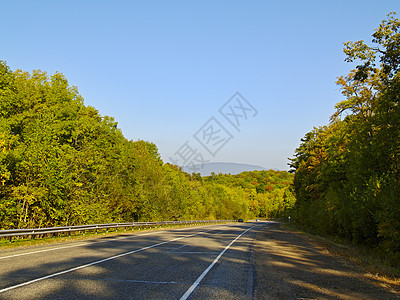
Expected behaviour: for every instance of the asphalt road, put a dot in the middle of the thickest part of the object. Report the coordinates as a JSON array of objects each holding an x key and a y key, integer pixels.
[{"x": 214, "y": 262}]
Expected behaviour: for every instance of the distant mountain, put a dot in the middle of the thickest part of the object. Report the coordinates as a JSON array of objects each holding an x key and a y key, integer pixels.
[{"x": 220, "y": 167}]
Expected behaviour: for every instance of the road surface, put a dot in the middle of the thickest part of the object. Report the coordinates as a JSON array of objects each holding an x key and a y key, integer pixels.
[
  {"x": 207, "y": 262},
  {"x": 258, "y": 260}
]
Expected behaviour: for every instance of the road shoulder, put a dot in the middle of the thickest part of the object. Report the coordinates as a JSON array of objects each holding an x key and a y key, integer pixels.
[{"x": 289, "y": 266}]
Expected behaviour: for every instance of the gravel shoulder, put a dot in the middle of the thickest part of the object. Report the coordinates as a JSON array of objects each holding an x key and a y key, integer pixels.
[{"x": 290, "y": 266}]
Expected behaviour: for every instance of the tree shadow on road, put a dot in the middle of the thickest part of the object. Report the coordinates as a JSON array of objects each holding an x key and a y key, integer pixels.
[
  {"x": 289, "y": 267},
  {"x": 164, "y": 271}
]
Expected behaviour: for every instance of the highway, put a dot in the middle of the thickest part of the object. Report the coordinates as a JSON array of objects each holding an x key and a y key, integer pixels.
[{"x": 213, "y": 262}]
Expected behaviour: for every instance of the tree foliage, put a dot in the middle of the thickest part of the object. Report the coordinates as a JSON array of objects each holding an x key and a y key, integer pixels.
[
  {"x": 62, "y": 163},
  {"x": 347, "y": 174}
]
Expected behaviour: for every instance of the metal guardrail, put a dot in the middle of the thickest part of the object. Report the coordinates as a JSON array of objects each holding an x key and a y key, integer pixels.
[{"x": 10, "y": 233}]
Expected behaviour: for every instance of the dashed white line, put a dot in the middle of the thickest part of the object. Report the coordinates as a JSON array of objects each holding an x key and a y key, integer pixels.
[
  {"x": 194, "y": 252},
  {"x": 179, "y": 247}
]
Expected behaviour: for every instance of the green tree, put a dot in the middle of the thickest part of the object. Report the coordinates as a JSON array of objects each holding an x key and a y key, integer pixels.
[{"x": 347, "y": 173}]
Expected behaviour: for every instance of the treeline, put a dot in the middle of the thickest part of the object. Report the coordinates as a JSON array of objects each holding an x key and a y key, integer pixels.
[
  {"x": 347, "y": 174},
  {"x": 62, "y": 163},
  {"x": 268, "y": 193}
]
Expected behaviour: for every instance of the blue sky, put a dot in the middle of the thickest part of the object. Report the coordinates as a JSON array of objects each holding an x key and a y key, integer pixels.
[{"x": 162, "y": 69}]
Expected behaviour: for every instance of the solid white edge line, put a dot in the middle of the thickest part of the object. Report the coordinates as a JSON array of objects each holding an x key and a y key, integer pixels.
[
  {"x": 84, "y": 244},
  {"x": 77, "y": 245},
  {"x": 200, "y": 278},
  {"x": 96, "y": 262}
]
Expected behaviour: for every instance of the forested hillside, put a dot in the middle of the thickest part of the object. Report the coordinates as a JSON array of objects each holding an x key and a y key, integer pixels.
[
  {"x": 269, "y": 193},
  {"x": 62, "y": 163},
  {"x": 347, "y": 174}
]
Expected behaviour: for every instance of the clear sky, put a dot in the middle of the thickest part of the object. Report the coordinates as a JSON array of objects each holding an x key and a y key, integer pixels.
[{"x": 163, "y": 69}]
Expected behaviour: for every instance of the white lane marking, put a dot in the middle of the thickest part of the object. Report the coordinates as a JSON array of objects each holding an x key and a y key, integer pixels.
[
  {"x": 97, "y": 262},
  {"x": 145, "y": 281},
  {"x": 132, "y": 281},
  {"x": 44, "y": 250},
  {"x": 77, "y": 245},
  {"x": 200, "y": 278},
  {"x": 194, "y": 252},
  {"x": 180, "y": 247},
  {"x": 83, "y": 244}
]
